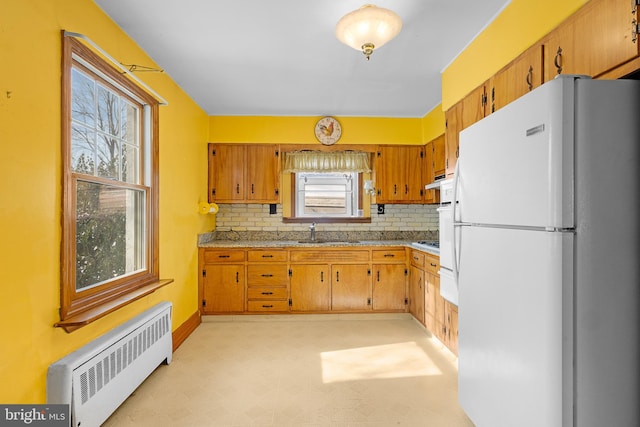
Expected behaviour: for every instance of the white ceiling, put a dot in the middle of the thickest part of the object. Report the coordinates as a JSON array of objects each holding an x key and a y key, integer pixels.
[{"x": 281, "y": 57}]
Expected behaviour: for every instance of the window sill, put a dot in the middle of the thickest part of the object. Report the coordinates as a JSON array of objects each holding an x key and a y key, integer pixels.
[{"x": 82, "y": 319}]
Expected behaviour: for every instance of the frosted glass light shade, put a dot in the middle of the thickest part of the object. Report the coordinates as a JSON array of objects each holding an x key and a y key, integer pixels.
[{"x": 368, "y": 28}]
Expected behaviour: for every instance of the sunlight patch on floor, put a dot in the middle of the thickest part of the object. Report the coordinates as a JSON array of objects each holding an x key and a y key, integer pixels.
[{"x": 399, "y": 360}]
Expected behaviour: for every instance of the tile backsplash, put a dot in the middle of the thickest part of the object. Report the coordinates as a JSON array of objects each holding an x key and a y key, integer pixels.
[{"x": 242, "y": 221}]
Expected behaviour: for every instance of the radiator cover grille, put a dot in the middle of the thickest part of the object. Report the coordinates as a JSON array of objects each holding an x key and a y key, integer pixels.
[{"x": 98, "y": 377}]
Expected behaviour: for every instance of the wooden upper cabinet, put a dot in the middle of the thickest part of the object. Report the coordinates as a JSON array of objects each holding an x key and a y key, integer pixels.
[
  {"x": 439, "y": 156},
  {"x": 521, "y": 76},
  {"x": 466, "y": 112},
  {"x": 263, "y": 173},
  {"x": 598, "y": 37},
  {"x": 226, "y": 173},
  {"x": 244, "y": 173},
  {"x": 453, "y": 123},
  {"x": 399, "y": 174},
  {"x": 474, "y": 106},
  {"x": 434, "y": 166}
]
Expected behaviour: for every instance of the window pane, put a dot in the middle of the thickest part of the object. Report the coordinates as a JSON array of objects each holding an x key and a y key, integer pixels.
[
  {"x": 108, "y": 111},
  {"x": 108, "y": 157},
  {"x": 82, "y": 150},
  {"x": 110, "y": 240},
  {"x": 129, "y": 121},
  {"x": 130, "y": 163},
  {"x": 82, "y": 98}
]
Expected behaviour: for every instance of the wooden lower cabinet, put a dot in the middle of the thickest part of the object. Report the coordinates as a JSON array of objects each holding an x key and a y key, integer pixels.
[
  {"x": 310, "y": 287},
  {"x": 416, "y": 293},
  {"x": 223, "y": 288},
  {"x": 314, "y": 280},
  {"x": 267, "y": 281},
  {"x": 389, "y": 287},
  {"x": 351, "y": 287}
]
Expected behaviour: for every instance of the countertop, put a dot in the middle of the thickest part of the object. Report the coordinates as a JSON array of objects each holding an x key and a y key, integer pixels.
[{"x": 320, "y": 244}]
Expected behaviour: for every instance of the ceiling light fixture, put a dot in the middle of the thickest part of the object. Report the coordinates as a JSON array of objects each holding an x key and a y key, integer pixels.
[{"x": 368, "y": 28}]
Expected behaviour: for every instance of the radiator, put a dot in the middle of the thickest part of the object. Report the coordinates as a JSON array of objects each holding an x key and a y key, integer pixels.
[{"x": 95, "y": 379}]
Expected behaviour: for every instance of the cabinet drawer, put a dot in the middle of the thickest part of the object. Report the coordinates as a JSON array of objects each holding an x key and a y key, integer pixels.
[
  {"x": 267, "y": 255},
  {"x": 270, "y": 275},
  {"x": 418, "y": 258},
  {"x": 223, "y": 255},
  {"x": 266, "y": 292},
  {"x": 432, "y": 264},
  {"x": 266, "y": 306},
  {"x": 389, "y": 255},
  {"x": 346, "y": 255}
]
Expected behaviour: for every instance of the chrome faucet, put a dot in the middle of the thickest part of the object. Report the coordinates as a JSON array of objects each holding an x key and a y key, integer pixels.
[{"x": 312, "y": 228}]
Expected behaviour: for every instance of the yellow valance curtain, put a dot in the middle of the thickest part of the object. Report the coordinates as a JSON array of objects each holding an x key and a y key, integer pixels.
[{"x": 321, "y": 161}]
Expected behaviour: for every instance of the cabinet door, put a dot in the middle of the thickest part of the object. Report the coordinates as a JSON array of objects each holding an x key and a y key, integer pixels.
[
  {"x": 310, "y": 287},
  {"x": 474, "y": 107},
  {"x": 226, "y": 173},
  {"x": 389, "y": 287},
  {"x": 262, "y": 174},
  {"x": 451, "y": 324},
  {"x": 416, "y": 294},
  {"x": 350, "y": 287},
  {"x": 523, "y": 75},
  {"x": 439, "y": 156},
  {"x": 597, "y": 38},
  {"x": 440, "y": 329},
  {"x": 453, "y": 123},
  {"x": 399, "y": 174},
  {"x": 427, "y": 173},
  {"x": 223, "y": 288},
  {"x": 430, "y": 303}
]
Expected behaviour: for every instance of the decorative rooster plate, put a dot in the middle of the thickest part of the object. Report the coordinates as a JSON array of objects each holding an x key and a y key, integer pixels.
[{"x": 328, "y": 130}]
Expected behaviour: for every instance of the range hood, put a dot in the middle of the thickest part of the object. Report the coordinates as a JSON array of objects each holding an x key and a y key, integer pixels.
[{"x": 435, "y": 185}]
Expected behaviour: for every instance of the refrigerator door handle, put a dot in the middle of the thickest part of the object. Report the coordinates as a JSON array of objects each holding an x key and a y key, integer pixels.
[{"x": 454, "y": 203}]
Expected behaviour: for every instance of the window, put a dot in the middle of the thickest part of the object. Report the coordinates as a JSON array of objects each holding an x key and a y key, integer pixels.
[
  {"x": 327, "y": 195},
  {"x": 110, "y": 186}
]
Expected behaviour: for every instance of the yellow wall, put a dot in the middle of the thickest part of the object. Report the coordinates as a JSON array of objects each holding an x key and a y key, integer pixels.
[
  {"x": 433, "y": 124},
  {"x": 520, "y": 25},
  {"x": 30, "y": 178},
  {"x": 299, "y": 130}
]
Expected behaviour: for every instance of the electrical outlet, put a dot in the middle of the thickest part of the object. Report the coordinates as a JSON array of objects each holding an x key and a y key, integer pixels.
[{"x": 380, "y": 209}]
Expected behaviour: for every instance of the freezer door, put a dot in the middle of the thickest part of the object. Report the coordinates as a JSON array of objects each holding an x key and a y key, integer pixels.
[
  {"x": 515, "y": 323},
  {"x": 516, "y": 165}
]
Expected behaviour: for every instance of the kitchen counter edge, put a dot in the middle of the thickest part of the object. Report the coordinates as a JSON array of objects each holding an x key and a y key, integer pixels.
[{"x": 249, "y": 244}]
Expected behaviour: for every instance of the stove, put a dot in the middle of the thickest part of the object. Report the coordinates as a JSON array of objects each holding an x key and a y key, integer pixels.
[{"x": 432, "y": 245}]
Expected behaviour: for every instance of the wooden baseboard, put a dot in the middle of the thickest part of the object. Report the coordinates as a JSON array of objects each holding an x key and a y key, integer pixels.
[{"x": 186, "y": 329}]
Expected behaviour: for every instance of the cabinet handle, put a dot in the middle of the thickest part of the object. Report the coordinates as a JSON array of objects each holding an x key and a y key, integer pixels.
[
  {"x": 337, "y": 276},
  {"x": 530, "y": 77},
  {"x": 557, "y": 61},
  {"x": 267, "y": 293},
  {"x": 267, "y": 256},
  {"x": 322, "y": 276},
  {"x": 395, "y": 189},
  {"x": 432, "y": 264},
  {"x": 378, "y": 275},
  {"x": 406, "y": 189},
  {"x": 237, "y": 277},
  {"x": 389, "y": 255},
  {"x": 251, "y": 188},
  {"x": 267, "y": 275},
  {"x": 267, "y": 306},
  {"x": 223, "y": 256},
  {"x": 237, "y": 188}
]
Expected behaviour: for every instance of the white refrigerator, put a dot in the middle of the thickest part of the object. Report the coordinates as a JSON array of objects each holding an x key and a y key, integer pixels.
[{"x": 547, "y": 251}]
